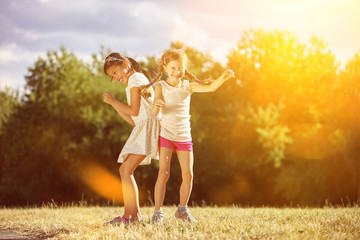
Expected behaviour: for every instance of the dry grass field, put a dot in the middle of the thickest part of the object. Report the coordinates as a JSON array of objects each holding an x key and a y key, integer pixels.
[{"x": 84, "y": 222}]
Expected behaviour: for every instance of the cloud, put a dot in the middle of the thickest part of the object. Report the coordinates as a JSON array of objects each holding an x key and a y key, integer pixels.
[
  {"x": 100, "y": 17},
  {"x": 188, "y": 32},
  {"x": 36, "y": 24},
  {"x": 14, "y": 61},
  {"x": 144, "y": 28},
  {"x": 30, "y": 28}
]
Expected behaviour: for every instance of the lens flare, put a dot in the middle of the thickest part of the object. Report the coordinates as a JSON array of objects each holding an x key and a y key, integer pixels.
[{"x": 101, "y": 181}]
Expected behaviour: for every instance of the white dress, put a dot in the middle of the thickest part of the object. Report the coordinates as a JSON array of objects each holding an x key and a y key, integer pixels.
[{"x": 144, "y": 137}]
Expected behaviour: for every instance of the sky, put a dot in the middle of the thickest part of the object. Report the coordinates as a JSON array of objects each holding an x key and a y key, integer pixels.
[{"x": 29, "y": 28}]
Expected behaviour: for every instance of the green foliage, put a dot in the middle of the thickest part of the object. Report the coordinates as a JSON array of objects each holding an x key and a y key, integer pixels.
[
  {"x": 272, "y": 136},
  {"x": 8, "y": 102},
  {"x": 275, "y": 134},
  {"x": 59, "y": 125}
]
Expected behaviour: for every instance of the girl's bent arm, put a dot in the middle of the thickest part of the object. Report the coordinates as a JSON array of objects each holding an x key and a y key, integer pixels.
[
  {"x": 158, "y": 100},
  {"x": 134, "y": 107},
  {"x": 194, "y": 87},
  {"x": 117, "y": 106}
]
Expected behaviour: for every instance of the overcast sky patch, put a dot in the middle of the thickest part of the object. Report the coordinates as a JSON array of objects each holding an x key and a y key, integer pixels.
[{"x": 29, "y": 28}]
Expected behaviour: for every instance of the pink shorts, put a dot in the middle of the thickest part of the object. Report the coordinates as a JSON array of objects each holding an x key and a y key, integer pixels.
[{"x": 180, "y": 146}]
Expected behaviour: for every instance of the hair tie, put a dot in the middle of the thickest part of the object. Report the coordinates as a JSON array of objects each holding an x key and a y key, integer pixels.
[{"x": 151, "y": 83}]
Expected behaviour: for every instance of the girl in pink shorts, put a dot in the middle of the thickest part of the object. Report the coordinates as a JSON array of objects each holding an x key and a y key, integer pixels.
[
  {"x": 172, "y": 99},
  {"x": 176, "y": 146}
]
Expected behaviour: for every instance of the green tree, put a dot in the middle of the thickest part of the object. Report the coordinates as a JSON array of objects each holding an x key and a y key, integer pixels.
[
  {"x": 59, "y": 125},
  {"x": 9, "y": 100},
  {"x": 346, "y": 137},
  {"x": 290, "y": 87},
  {"x": 275, "y": 134}
]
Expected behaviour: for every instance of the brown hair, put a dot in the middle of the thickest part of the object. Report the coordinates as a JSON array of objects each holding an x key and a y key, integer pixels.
[
  {"x": 170, "y": 55},
  {"x": 116, "y": 59}
]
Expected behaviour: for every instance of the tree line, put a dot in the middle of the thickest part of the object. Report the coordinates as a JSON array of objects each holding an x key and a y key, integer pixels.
[{"x": 284, "y": 132}]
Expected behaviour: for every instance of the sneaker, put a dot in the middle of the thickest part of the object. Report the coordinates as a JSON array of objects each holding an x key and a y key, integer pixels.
[
  {"x": 185, "y": 215},
  {"x": 157, "y": 218},
  {"x": 117, "y": 221}
]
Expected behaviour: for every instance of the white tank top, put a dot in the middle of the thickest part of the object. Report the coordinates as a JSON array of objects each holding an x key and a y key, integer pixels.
[{"x": 175, "y": 114}]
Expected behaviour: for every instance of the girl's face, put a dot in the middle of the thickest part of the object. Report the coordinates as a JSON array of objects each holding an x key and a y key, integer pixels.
[
  {"x": 175, "y": 69},
  {"x": 118, "y": 73}
]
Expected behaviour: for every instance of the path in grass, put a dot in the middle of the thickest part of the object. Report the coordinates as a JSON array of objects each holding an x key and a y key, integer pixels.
[{"x": 11, "y": 235}]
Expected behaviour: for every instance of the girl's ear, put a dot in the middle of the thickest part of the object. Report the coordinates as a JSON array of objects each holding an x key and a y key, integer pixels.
[
  {"x": 163, "y": 67},
  {"x": 126, "y": 63}
]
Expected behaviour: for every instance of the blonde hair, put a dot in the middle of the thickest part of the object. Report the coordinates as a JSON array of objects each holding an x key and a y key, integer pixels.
[{"x": 170, "y": 55}]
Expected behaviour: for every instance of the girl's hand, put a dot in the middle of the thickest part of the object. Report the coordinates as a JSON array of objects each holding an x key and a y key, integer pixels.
[
  {"x": 227, "y": 74},
  {"x": 159, "y": 103},
  {"x": 108, "y": 98}
]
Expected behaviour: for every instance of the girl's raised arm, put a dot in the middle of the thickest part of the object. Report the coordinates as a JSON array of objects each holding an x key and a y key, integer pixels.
[{"x": 213, "y": 86}]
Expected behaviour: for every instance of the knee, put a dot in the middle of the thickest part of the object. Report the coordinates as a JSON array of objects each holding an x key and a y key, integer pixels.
[
  {"x": 188, "y": 176},
  {"x": 163, "y": 176},
  {"x": 124, "y": 170}
]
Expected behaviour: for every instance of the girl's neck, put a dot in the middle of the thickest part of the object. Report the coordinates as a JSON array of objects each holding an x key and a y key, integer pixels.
[
  {"x": 174, "y": 82},
  {"x": 131, "y": 73}
]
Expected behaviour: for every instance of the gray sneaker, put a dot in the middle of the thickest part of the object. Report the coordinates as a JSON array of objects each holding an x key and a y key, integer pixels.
[
  {"x": 185, "y": 215},
  {"x": 157, "y": 218},
  {"x": 117, "y": 221}
]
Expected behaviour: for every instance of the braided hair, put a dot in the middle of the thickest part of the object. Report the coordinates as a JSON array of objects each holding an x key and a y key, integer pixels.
[
  {"x": 116, "y": 59},
  {"x": 170, "y": 55}
]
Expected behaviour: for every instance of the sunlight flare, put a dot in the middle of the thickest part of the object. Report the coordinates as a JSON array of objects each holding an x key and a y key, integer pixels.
[{"x": 102, "y": 181}]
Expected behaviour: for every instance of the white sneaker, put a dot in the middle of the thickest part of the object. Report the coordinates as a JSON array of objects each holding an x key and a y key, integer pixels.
[
  {"x": 185, "y": 215},
  {"x": 157, "y": 218}
]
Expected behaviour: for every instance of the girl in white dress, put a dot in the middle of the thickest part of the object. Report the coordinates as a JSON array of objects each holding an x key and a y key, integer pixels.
[
  {"x": 142, "y": 144},
  {"x": 172, "y": 99}
]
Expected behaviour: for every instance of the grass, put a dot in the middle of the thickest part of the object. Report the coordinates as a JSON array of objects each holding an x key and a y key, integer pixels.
[{"x": 82, "y": 222}]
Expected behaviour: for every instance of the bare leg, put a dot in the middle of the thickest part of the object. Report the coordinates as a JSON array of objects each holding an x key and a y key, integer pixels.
[
  {"x": 186, "y": 160},
  {"x": 130, "y": 189},
  {"x": 163, "y": 176}
]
